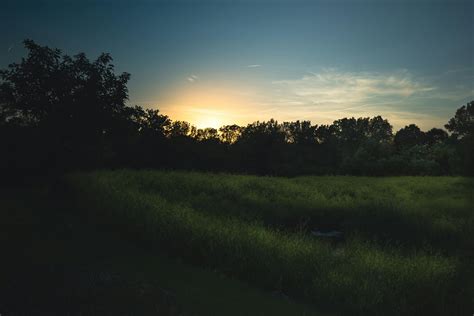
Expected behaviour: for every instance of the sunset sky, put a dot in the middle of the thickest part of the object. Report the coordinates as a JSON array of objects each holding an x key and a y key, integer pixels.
[{"x": 223, "y": 62}]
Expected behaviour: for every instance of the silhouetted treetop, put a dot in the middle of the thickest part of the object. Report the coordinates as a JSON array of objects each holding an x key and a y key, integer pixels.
[
  {"x": 409, "y": 136},
  {"x": 435, "y": 136},
  {"x": 230, "y": 133},
  {"x": 63, "y": 112},
  {"x": 51, "y": 88},
  {"x": 300, "y": 132},
  {"x": 462, "y": 123}
]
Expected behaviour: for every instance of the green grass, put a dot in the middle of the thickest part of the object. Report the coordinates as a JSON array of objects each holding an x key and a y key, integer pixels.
[
  {"x": 409, "y": 210},
  {"x": 407, "y": 249},
  {"x": 56, "y": 261}
]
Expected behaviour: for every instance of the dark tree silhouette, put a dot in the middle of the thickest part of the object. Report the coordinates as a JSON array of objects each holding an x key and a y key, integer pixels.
[
  {"x": 230, "y": 133},
  {"x": 409, "y": 136},
  {"x": 379, "y": 130},
  {"x": 179, "y": 129},
  {"x": 60, "y": 113},
  {"x": 462, "y": 124},
  {"x": 207, "y": 134},
  {"x": 73, "y": 105},
  {"x": 301, "y": 133},
  {"x": 435, "y": 136}
]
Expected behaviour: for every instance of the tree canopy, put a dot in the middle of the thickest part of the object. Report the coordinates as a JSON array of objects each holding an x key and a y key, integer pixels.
[{"x": 63, "y": 113}]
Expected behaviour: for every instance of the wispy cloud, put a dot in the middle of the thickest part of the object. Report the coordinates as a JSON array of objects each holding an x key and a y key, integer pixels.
[
  {"x": 192, "y": 78},
  {"x": 334, "y": 87},
  {"x": 332, "y": 94},
  {"x": 253, "y": 66},
  {"x": 324, "y": 96}
]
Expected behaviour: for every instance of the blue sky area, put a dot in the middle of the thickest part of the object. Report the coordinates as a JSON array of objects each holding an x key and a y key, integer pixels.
[{"x": 219, "y": 62}]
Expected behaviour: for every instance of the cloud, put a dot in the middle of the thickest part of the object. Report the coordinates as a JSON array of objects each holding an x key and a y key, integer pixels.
[
  {"x": 331, "y": 94},
  {"x": 335, "y": 87},
  {"x": 11, "y": 47},
  {"x": 253, "y": 66},
  {"x": 192, "y": 78}
]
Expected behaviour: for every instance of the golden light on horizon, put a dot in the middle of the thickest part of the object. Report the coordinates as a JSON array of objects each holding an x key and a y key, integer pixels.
[
  {"x": 205, "y": 106},
  {"x": 210, "y": 121}
]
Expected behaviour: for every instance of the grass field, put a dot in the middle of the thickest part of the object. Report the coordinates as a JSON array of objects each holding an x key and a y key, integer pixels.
[
  {"x": 56, "y": 262},
  {"x": 405, "y": 244}
]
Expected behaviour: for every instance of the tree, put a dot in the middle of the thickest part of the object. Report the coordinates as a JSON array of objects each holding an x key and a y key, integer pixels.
[
  {"x": 325, "y": 134},
  {"x": 301, "y": 133},
  {"x": 230, "y": 133},
  {"x": 260, "y": 146},
  {"x": 409, "y": 136},
  {"x": 207, "y": 134},
  {"x": 379, "y": 129},
  {"x": 462, "y": 127},
  {"x": 347, "y": 130},
  {"x": 462, "y": 123},
  {"x": 263, "y": 133},
  {"x": 435, "y": 136},
  {"x": 152, "y": 122},
  {"x": 50, "y": 88},
  {"x": 57, "y": 110},
  {"x": 178, "y": 129},
  {"x": 70, "y": 104}
]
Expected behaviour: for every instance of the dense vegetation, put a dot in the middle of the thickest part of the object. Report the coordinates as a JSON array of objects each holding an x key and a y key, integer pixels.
[
  {"x": 398, "y": 245},
  {"x": 189, "y": 243},
  {"x": 59, "y": 261},
  {"x": 405, "y": 247},
  {"x": 63, "y": 113}
]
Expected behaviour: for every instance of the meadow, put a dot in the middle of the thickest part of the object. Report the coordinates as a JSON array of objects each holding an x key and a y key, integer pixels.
[
  {"x": 59, "y": 261},
  {"x": 188, "y": 243},
  {"x": 403, "y": 246},
  {"x": 241, "y": 203}
]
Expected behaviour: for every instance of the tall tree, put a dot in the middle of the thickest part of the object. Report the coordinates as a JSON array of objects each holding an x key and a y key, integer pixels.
[
  {"x": 70, "y": 103},
  {"x": 462, "y": 123},
  {"x": 379, "y": 129},
  {"x": 462, "y": 127},
  {"x": 301, "y": 133},
  {"x": 230, "y": 133},
  {"x": 435, "y": 136},
  {"x": 409, "y": 136}
]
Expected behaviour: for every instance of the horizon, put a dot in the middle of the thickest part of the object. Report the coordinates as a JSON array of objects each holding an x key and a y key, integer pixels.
[{"x": 213, "y": 64}]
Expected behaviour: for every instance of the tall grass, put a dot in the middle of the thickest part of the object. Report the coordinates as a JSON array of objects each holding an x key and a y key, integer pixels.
[
  {"x": 221, "y": 221},
  {"x": 430, "y": 211}
]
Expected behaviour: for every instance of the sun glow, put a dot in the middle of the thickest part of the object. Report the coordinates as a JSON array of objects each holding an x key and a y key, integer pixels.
[
  {"x": 209, "y": 121},
  {"x": 207, "y": 106}
]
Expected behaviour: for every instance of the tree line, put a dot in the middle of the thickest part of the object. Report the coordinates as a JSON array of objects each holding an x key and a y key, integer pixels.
[{"x": 60, "y": 113}]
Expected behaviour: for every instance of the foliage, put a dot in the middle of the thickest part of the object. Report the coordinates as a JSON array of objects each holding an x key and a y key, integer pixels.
[
  {"x": 462, "y": 124},
  {"x": 66, "y": 113}
]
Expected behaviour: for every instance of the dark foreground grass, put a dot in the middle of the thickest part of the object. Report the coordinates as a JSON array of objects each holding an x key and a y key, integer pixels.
[
  {"x": 412, "y": 211},
  {"x": 55, "y": 261},
  {"x": 407, "y": 247}
]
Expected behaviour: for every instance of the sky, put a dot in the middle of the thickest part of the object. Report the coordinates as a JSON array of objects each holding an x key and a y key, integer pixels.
[{"x": 213, "y": 63}]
